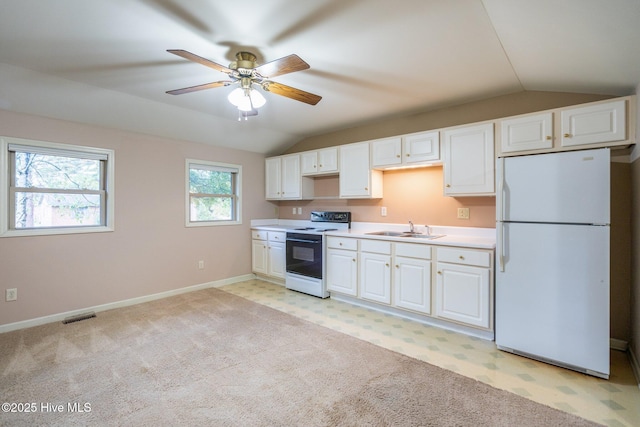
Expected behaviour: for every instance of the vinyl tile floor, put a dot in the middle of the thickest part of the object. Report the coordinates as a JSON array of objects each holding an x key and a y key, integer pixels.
[{"x": 613, "y": 402}]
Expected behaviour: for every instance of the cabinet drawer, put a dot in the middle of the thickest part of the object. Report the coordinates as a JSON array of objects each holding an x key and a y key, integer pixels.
[
  {"x": 342, "y": 243},
  {"x": 277, "y": 236},
  {"x": 410, "y": 250},
  {"x": 375, "y": 246},
  {"x": 464, "y": 256},
  {"x": 259, "y": 234}
]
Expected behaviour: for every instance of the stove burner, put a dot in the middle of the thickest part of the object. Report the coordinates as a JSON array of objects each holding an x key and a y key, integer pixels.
[
  {"x": 304, "y": 228},
  {"x": 326, "y": 229}
]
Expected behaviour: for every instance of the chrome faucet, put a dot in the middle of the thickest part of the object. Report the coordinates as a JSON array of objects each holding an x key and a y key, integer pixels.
[{"x": 411, "y": 227}]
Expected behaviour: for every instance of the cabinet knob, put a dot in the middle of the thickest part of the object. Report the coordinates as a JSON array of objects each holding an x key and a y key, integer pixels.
[
  {"x": 549, "y": 138},
  {"x": 408, "y": 155},
  {"x": 320, "y": 165},
  {"x": 397, "y": 266},
  {"x": 439, "y": 272},
  {"x": 354, "y": 260},
  {"x": 448, "y": 185},
  {"x": 398, "y": 155},
  {"x": 366, "y": 188},
  {"x": 386, "y": 264},
  {"x": 461, "y": 257},
  {"x": 567, "y": 135},
  {"x": 340, "y": 243}
]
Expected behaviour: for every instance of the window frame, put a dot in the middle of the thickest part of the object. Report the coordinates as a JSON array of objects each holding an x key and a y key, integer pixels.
[
  {"x": 7, "y": 208},
  {"x": 237, "y": 169}
]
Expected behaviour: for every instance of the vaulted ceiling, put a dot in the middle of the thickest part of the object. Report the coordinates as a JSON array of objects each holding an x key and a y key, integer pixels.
[{"x": 105, "y": 62}]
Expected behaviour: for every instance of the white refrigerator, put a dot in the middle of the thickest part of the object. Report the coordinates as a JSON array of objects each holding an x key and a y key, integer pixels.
[{"x": 552, "y": 256}]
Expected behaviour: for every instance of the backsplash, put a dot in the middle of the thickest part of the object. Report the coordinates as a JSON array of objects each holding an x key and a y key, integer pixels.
[{"x": 411, "y": 194}]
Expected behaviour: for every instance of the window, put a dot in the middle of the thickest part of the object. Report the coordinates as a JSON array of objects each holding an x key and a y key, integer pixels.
[
  {"x": 213, "y": 193},
  {"x": 54, "y": 188}
]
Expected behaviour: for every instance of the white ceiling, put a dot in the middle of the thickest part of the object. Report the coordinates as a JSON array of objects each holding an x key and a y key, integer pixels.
[{"x": 104, "y": 62}]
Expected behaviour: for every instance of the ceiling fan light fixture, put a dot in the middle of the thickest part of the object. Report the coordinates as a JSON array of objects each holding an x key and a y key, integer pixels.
[{"x": 246, "y": 99}]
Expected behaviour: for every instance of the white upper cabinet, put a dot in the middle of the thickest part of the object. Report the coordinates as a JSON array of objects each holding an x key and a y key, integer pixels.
[
  {"x": 320, "y": 162},
  {"x": 421, "y": 147},
  {"x": 386, "y": 152},
  {"x": 410, "y": 150},
  {"x": 606, "y": 123},
  {"x": 594, "y": 124},
  {"x": 531, "y": 132},
  {"x": 469, "y": 161},
  {"x": 283, "y": 179},
  {"x": 357, "y": 179}
]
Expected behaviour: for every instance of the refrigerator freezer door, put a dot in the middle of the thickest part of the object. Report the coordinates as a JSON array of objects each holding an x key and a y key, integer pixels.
[
  {"x": 569, "y": 187},
  {"x": 552, "y": 299}
]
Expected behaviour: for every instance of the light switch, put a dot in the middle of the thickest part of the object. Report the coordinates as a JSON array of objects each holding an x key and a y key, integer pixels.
[
  {"x": 299, "y": 211},
  {"x": 383, "y": 211}
]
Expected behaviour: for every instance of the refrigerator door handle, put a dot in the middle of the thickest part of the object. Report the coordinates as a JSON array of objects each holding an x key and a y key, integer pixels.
[
  {"x": 501, "y": 195},
  {"x": 500, "y": 236}
]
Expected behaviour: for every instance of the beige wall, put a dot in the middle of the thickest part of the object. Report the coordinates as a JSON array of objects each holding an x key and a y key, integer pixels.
[
  {"x": 412, "y": 194},
  {"x": 488, "y": 109},
  {"x": 151, "y": 250}
]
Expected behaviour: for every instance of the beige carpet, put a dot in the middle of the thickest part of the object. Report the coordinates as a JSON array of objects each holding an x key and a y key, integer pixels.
[{"x": 213, "y": 358}]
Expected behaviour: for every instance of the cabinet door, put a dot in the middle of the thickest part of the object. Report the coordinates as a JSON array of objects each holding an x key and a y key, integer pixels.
[
  {"x": 328, "y": 160},
  {"x": 421, "y": 147},
  {"x": 375, "y": 277},
  {"x": 273, "y": 178},
  {"x": 355, "y": 173},
  {"x": 531, "y": 132},
  {"x": 342, "y": 271},
  {"x": 594, "y": 124},
  {"x": 386, "y": 152},
  {"x": 291, "y": 177},
  {"x": 276, "y": 257},
  {"x": 469, "y": 161},
  {"x": 309, "y": 162},
  {"x": 259, "y": 256},
  {"x": 412, "y": 284},
  {"x": 462, "y": 294}
]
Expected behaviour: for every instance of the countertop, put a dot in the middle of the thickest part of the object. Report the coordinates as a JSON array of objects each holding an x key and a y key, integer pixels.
[{"x": 470, "y": 237}]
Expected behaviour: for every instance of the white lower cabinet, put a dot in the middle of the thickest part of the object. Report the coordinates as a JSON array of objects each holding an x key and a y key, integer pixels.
[
  {"x": 412, "y": 283},
  {"x": 268, "y": 252},
  {"x": 342, "y": 265},
  {"x": 463, "y": 286},
  {"x": 401, "y": 275},
  {"x": 375, "y": 277}
]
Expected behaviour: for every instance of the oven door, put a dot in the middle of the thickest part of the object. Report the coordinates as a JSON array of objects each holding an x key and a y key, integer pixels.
[{"x": 304, "y": 254}]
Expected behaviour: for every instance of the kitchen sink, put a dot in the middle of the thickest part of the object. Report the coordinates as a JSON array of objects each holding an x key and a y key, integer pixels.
[
  {"x": 423, "y": 236},
  {"x": 387, "y": 233},
  {"x": 405, "y": 234}
]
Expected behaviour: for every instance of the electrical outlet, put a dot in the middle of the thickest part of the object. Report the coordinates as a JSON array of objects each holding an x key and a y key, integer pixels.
[
  {"x": 299, "y": 211},
  {"x": 293, "y": 211},
  {"x": 463, "y": 213},
  {"x": 383, "y": 211},
  {"x": 12, "y": 294},
  {"x": 200, "y": 265}
]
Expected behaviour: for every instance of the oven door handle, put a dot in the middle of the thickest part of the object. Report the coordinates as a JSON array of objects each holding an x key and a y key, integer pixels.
[{"x": 303, "y": 240}]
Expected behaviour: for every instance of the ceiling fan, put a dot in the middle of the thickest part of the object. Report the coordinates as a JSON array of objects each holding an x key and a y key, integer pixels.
[{"x": 245, "y": 72}]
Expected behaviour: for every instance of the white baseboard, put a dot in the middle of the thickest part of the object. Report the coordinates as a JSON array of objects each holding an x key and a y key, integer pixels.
[
  {"x": 616, "y": 344},
  {"x": 635, "y": 366},
  {"x": 125, "y": 303}
]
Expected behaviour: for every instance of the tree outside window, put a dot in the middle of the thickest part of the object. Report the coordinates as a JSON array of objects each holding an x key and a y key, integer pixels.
[{"x": 213, "y": 193}]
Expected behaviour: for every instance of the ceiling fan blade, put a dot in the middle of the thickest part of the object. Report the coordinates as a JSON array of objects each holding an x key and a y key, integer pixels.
[
  {"x": 281, "y": 66},
  {"x": 200, "y": 60},
  {"x": 199, "y": 87},
  {"x": 291, "y": 92}
]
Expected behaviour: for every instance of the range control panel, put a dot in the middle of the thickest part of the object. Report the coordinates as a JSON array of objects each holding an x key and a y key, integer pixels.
[{"x": 340, "y": 217}]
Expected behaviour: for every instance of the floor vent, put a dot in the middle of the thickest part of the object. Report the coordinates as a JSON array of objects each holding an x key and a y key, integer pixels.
[{"x": 79, "y": 317}]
